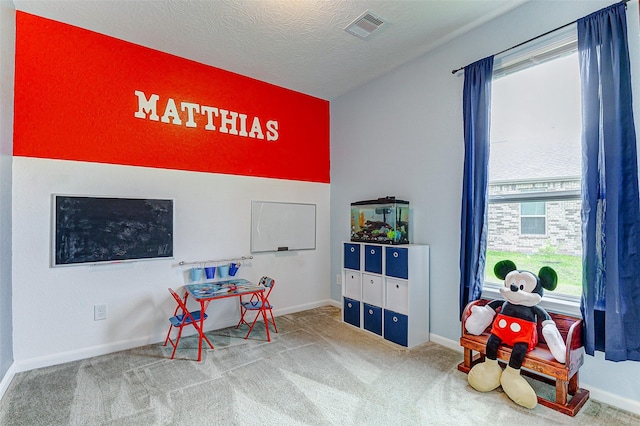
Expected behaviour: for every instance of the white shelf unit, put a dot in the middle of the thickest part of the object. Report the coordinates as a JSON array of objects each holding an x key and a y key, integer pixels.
[{"x": 386, "y": 290}]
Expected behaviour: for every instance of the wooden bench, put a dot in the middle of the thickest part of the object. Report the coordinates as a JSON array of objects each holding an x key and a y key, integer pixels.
[{"x": 539, "y": 363}]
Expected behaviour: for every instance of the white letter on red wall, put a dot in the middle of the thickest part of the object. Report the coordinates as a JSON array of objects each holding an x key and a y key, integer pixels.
[
  {"x": 272, "y": 130},
  {"x": 227, "y": 120},
  {"x": 210, "y": 112},
  {"x": 190, "y": 108},
  {"x": 256, "y": 129},
  {"x": 171, "y": 111},
  {"x": 146, "y": 106}
]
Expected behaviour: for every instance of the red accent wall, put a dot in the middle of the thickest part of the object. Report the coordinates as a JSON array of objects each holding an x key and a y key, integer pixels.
[{"x": 75, "y": 100}]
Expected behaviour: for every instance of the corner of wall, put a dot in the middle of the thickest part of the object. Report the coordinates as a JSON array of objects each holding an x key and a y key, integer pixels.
[{"x": 7, "y": 61}]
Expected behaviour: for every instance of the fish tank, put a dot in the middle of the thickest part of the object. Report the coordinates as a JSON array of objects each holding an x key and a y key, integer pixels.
[{"x": 383, "y": 221}]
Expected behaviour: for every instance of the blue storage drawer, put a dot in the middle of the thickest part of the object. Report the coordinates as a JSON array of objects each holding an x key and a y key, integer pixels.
[
  {"x": 373, "y": 318},
  {"x": 373, "y": 259},
  {"x": 397, "y": 262},
  {"x": 351, "y": 311},
  {"x": 396, "y": 327},
  {"x": 352, "y": 256}
]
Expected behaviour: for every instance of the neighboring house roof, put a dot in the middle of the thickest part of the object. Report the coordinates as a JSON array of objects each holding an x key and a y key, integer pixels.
[{"x": 534, "y": 159}]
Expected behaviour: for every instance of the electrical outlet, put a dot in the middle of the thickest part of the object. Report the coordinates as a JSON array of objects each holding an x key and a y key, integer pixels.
[
  {"x": 339, "y": 279},
  {"x": 99, "y": 312}
]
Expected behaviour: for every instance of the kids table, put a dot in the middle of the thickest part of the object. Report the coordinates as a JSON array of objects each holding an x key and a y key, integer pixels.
[{"x": 206, "y": 292}]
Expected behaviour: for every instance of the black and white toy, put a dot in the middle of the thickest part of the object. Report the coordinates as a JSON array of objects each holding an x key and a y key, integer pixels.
[{"x": 515, "y": 325}]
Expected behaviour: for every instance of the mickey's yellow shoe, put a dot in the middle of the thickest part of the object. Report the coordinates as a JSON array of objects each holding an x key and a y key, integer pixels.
[
  {"x": 485, "y": 377},
  {"x": 517, "y": 388}
]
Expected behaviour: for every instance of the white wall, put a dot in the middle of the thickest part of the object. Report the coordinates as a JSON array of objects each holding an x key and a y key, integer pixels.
[
  {"x": 402, "y": 135},
  {"x": 7, "y": 54},
  {"x": 53, "y": 307}
]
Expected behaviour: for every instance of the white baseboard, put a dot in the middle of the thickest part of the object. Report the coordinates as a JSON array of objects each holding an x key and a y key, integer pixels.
[
  {"x": 6, "y": 380},
  {"x": 594, "y": 393},
  {"x": 83, "y": 353},
  {"x": 442, "y": 341},
  {"x": 334, "y": 303},
  {"x": 305, "y": 307},
  {"x": 612, "y": 399}
]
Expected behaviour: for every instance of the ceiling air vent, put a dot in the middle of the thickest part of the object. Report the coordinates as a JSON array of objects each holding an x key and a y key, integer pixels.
[{"x": 364, "y": 25}]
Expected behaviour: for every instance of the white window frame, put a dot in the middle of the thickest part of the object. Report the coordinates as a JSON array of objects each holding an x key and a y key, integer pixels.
[{"x": 553, "y": 46}]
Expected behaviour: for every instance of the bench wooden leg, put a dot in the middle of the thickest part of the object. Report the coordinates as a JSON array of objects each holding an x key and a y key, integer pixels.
[
  {"x": 468, "y": 357},
  {"x": 562, "y": 388},
  {"x": 465, "y": 365},
  {"x": 574, "y": 384},
  {"x": 470, "y": 360},
  {"x": 562, "y": 402}
]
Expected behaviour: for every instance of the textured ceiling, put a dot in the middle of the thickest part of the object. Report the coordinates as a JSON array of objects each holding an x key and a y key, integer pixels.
[{"x": 297, "y": 44}]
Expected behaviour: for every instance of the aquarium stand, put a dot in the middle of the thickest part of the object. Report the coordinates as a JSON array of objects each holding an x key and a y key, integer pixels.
[{"x": 386, "y": 291}]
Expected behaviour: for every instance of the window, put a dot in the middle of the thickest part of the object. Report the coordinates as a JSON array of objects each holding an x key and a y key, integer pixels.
[
  {"x": 534, "y": 214},
  {"x": 533, "y": 218}
]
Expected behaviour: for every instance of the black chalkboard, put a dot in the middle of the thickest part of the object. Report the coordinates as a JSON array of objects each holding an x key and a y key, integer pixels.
[{"x": 100, "y": 229}]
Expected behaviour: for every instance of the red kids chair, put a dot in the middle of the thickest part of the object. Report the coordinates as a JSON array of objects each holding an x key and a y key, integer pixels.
[
  {"x": 255, "y": 304},
  {"x": 179, "y": 320}
]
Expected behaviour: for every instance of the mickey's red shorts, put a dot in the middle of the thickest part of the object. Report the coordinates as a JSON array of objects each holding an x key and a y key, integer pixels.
[{"x": 512, "y": 330}]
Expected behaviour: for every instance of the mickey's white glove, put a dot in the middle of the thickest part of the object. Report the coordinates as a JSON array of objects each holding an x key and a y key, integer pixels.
[
  {"x": 481, "y": 317},
  {"x": 554, "y": 340}
]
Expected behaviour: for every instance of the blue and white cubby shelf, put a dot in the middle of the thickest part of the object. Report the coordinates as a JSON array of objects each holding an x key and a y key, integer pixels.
[{"x": 386, "y": 290}]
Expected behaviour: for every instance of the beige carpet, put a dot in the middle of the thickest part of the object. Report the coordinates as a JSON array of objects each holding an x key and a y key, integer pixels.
[{"x": 316, "y": 371}]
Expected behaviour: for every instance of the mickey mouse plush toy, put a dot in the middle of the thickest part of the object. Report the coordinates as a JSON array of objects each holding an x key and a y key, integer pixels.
[{"x": 515, "y": 326}]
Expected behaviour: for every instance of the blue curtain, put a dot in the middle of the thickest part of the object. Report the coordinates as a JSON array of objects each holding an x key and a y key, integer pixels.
[
  {"x": 477, "y": 114},
  {"x": 610, "y": 210}
]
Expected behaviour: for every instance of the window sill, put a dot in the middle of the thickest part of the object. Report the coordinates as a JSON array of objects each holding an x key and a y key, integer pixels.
[{"x": 550, "y": 303}]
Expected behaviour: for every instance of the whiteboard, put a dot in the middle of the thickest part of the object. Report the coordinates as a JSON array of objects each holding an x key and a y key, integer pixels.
[{"x": 282, "y": 226}]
